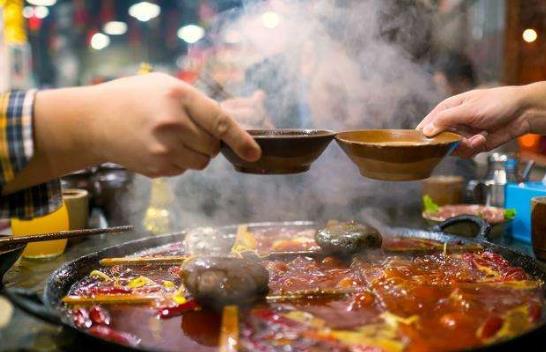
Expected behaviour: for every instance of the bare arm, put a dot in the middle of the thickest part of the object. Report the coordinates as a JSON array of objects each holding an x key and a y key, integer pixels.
[
  {"x": 490, "y": 117},
  {"x": 154, "y": 124}
]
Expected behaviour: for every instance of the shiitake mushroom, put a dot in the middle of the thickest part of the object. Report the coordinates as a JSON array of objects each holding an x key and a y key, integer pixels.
[
  {"x": 219, "y": 281},
  {"x": 347, "y": 238}
]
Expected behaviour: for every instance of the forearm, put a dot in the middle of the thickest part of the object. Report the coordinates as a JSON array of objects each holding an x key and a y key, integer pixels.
[
  {"x": 63, "y": 119},
  {"x": 534, "y": 106}
]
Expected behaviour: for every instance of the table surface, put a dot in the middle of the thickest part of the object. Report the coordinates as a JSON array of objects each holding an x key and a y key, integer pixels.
[{"x": 25, "y": 333}]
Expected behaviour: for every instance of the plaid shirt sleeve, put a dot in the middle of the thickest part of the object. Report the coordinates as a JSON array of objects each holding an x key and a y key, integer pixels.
[{"x": 16, "y": 150}]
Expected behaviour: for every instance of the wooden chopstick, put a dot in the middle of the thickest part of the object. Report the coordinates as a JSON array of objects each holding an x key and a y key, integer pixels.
[
  {"x": 179, "y": 259},
  {"x": 309, "y": 294},
  {"x": 216, "y": 87},
  {"x": 166, "y": 260},
  {"x": 62, "y": 235},
  {"x": 110, "y": 299},
  {"x": 229, "y": 332},
  {"x": 143, "y": 299}
]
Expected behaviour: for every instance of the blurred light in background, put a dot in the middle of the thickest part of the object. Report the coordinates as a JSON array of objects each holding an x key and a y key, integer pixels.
[
  {"x": 28, "y": 11},
  {"x": 270, "y": 19},
  {"x": 115, "y": 28},
  {"x": 144, "y": 11},
  {"x": 191, "y": 33},
  {"x": 41, "y": 12},
  {"x": 529, "y": 35},
  {"x": 99, "y": 41},
  {"x": 42, "y": 2}
]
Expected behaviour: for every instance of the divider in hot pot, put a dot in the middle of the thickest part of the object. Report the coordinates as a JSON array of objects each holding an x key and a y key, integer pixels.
[{"x": 378, "y": 313}]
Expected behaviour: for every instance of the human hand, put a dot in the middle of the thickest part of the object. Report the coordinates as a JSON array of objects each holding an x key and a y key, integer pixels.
[
  {"x": 248, "y": 111},
  {"x": 157, "y": 125},
  {"x": 486, "y": 118}
]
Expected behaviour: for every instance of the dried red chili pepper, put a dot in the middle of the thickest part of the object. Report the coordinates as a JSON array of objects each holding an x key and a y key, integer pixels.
[
  {"x": 514, "y": 274},
  {"x": 490, "y": 328},
  {"x": 169, "y": 312},
  {"x": 535, "y": 312},
  {"x": 174, "y": 271},
  {"x": 99, "y": 315},
  {"x": 80, "y": 317},
  {"x": 120, "y": 337},
  {"x": 272, "y": 317}
]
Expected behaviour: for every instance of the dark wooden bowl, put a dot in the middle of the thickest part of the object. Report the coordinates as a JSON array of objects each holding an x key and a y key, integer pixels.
[
  {"x": 284, "y": 151},
  {"x": 396, "y": 155}
]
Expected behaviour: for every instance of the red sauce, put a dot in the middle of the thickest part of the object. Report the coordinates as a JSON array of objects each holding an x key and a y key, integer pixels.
[{"x": 427, "y": 302}]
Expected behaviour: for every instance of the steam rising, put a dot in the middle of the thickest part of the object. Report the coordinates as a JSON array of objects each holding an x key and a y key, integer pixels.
[{"x": 360, "y": 65}]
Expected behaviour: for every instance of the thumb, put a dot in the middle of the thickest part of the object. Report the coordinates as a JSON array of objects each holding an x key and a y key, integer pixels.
[
  {"x": 449, "y": 118},
  {"x": 258, "y": 96}
]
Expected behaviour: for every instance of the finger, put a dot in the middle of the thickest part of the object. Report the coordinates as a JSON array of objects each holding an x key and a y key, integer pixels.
[
  {"x": 471, "y": 146},
  {"x": 446, "y": 119},
  {"x": 448, "y": 103},
  {"x": 186, "y": 158},
  {"x": 174, "y": 170},
  {"x": 244, "y": 102},
  {"x": 189, "y": 134},
  {"x": 199, "y": 140},
  {"x": 258, "y": 96},
  {"x": 502, "y": 135},
  {"x": 207, "y": 114},
  {"x": 236, "y": 103},
  {"x": 466, "y": 131}
]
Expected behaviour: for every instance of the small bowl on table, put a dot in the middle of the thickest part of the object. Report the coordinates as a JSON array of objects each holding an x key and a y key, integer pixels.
[
  {"x": 284, "y": 151},
  {"x": 396, "y": 155},
  {"x": 493, "y": 215}
]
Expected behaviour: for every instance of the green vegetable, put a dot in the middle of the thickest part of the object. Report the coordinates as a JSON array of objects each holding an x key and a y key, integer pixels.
[
  {"x": 509, "y": 214},
  {"x": 429, "y": 205}
]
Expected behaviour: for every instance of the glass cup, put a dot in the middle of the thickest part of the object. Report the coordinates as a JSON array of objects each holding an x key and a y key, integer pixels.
[
  {"x": 54, "y": 222},
  {"x": 538, "y": 226}
]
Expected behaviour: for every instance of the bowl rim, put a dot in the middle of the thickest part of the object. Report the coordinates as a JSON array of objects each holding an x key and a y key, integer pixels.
[
  {"x": 455, "y": 138},
  {"x": 311, "y": 133},
  {"x": 8, "y": 248}
]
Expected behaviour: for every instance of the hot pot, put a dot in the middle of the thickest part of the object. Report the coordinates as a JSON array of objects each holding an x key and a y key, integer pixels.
[{"x": 48, "y": 307}]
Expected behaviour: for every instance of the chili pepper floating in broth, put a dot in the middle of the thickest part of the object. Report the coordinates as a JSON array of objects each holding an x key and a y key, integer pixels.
[
  {"x": 179, "y": 309},
  {"x": 80, "y": 317},
  {"x": 99, "y": 315}
]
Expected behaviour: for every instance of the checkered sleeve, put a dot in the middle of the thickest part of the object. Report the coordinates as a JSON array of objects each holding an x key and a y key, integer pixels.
[{"x": 16, "y": 150}]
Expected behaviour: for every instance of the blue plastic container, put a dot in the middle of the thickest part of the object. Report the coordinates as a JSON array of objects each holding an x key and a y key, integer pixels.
[{"x": 518, "y": 196}]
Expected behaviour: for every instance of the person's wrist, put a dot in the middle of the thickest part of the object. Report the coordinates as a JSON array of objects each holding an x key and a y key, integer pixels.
[
  {"x": 533, "y": 106},
  {"x": 95, "y": 138}
]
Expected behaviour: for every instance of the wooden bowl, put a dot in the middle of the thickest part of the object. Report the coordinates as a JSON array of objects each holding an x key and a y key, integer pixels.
[
  {"x": 396, "y": 155},
  {"x": 284, "y": 151}
]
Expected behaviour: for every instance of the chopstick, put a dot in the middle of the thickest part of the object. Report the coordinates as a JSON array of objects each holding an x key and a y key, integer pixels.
[
  {"x": 63, "y": 235},
  {"x": 216, "y": 87},
  {"x": 167, "y": 260},
  {"x": 179, "y": 259},
  {"x": 110, "y": 299},
  {"x": 143, "y": 299},
  {"x": 229, "y": 332},
  {"x": 309, "y": 294}
]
